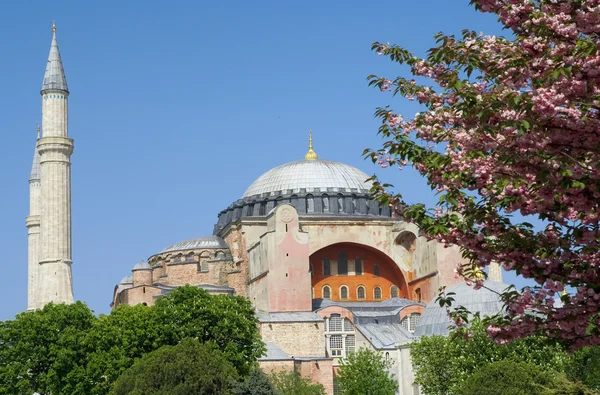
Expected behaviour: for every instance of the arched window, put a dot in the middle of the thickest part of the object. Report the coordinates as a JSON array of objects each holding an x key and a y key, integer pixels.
[
  {"x": 358, "y": 267},
  {"x": 410, "y": 322},
  {"x": 326, "y": 292},
  {"x": 325, "y": 203},
  {"x": 394, "y": 291},
  {"x": 326, "y": 267},
  {"x": 340, "y": 202},
  {"x": 377, "y": 293},
  {"x": 376, "y": 270},
  {"x": 360, "y": 293},
  {"x": 342, "y": 263},
  {"x": 353, "y": 204},
  {"x": 310, "y": 204},
  {"x": 418, "y": 294},
  {"x": 343, "y": 292},
  {"x": 310, "y": 269}
]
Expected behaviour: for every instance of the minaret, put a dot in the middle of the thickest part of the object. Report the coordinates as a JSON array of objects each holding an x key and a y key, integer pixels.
[
  {"x": 55, "y": 148},
  {"x": 33, "y": 229}
]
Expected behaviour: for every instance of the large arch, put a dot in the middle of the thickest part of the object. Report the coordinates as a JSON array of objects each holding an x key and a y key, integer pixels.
[{"x": 378, "y": 270}]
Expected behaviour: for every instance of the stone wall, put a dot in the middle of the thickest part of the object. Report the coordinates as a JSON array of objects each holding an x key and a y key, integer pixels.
[{"x": 297, "y": 339}]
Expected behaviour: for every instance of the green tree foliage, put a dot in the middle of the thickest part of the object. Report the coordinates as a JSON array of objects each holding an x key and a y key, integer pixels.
[
  {"x": 257, "y": 383},
  {"x": 187, "y": 368},
  {"x": 366, "y": 372},
  {"x": 45, "y": 351},
  {"x": 65, "y": 349},
  {"x": 584, "y": 365},
  {"x": 290, "y": 383},
  {"x": 519, "y": 378},
  {"x": 443, "y": 364},
  {"x": 507, "y": 377}
]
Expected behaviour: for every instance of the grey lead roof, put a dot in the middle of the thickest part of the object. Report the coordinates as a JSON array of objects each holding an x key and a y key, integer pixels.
[
  {"x": 309, "y": 175},
  {"x": 391, "y": 304},
  {"x": 487, "y": 302},
  {"x": 200, "y": 242},
  {"x": 35, "y": 167},
  {"x": 143, "y": 265},
  {"x": 296, "y": 316},
  {"x": 385, "y": 336},
  {"x": 274, "y": 353},
  {"x": 54, "y": 78}
]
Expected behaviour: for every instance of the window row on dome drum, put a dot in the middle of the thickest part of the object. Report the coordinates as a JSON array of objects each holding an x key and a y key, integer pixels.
[{"x": 318, "y": 204}]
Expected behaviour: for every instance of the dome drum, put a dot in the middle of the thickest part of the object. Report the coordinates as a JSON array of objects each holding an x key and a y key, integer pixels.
[{"x": 323, "y": 202}]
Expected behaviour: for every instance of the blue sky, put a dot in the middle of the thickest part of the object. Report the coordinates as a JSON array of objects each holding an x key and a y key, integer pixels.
[{"x": 176, "y": 107}]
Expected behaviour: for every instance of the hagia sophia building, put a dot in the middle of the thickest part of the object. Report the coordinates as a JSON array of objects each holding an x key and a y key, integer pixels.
[{"x": 327, "y": 268}]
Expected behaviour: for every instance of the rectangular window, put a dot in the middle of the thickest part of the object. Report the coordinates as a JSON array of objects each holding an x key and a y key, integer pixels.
[
  {"x": 326, "y": 267},
  {"x": 204, "y": 266},
  {"x": 358, "y": 267},
  {"x": 335, "y": 323},
  {"x": 350, "y": 344},
  {"x": 342, "y": 263},
  {"x": 335, "y": 345}
]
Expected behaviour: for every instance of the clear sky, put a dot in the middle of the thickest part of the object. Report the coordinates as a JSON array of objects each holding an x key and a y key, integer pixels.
[{"x": 177, "y": 106}]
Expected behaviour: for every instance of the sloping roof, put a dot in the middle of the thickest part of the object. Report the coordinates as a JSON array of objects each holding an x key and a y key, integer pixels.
[
  {"x": 213, "y": 242},
  {"x": 486, "y": 301},
  {"x": 385, "y": 336},
  {"x": 274, "y": 353},
  {"x": 384, "y": 305},
  {"x": 299, "y": 316},
  {"x": 54, "y": 77}
]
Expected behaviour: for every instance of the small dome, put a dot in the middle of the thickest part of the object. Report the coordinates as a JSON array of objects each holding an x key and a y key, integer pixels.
[
  {"x": 435, "y": 320},
  {"x": 143, "y": 265},
  {"x": 127, "y": 280},
  {"x": 310, "y": 175},
  {"x": 212, "y": 242}
]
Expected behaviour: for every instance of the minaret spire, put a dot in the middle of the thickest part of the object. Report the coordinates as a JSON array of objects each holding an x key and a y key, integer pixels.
[
  {"x": 311, "y": 155},
  {"x": 54, "y": 78}
]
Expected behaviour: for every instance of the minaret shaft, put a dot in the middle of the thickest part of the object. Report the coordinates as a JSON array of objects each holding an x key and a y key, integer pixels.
[{"x": 54, "y": 282}]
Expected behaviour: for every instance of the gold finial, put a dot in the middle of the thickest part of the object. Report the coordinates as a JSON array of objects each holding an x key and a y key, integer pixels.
[
  {"x": 38, "y": 130},
  {"x": 479, "y": 274},
  {"x": 53, "y": 27},
  {"x": 311, "y": 155}
]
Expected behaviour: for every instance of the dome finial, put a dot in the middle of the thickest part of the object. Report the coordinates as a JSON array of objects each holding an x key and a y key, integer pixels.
[
  {"x": 53, "y": 27},
  {"x": 311, "y": 155}
]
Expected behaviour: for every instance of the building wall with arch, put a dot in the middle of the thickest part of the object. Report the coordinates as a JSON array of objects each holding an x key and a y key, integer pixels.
[{"x": 388, "y": 273}]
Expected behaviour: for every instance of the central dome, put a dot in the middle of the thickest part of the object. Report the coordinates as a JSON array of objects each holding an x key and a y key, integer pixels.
[{"x": 310, "y": 175}]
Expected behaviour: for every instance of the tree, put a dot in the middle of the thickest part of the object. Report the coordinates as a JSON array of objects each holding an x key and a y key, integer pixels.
[
  {"x": 518, "y": 378},
  {"x": 44, "y": 351},
  {"x": 366, "y": 372},
  {"x": 442, "y": 364},
  {"x": 507, "y": 377},
  {"x": 229, "y": 322},
  {"x": 65, "y": 349},
  {"x": 510, "y": 125},
  {"x": 187, "y": 368},
  {"x": 257, "y": 383},
  {"x": 584, "y": 366},
  {"x": 292, "y": 383}
]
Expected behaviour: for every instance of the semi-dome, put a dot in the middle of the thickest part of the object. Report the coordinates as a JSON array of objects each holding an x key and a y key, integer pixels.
[
  {"x": 486, "y": 301},
  {"x": 143, "y": 265},
  {"x": 210, "y": 242},
  {"x": 310, "y": 175}
]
